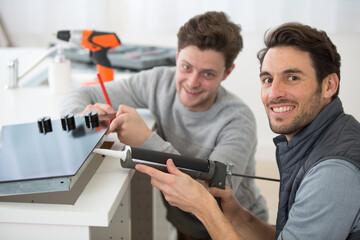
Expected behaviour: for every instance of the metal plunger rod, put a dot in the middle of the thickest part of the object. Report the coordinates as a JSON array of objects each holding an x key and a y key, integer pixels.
[{"x": 256, "y": 177}]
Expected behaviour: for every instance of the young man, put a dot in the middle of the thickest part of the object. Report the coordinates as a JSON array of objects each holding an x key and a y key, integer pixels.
[
  {"x": 195, "y": 115},
  {"x": 318, "y": 151}
]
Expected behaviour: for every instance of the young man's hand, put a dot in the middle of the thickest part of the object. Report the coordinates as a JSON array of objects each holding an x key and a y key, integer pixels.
[
  {"x": 131, "y": 129},
  {"x": 100, "y": 108}
]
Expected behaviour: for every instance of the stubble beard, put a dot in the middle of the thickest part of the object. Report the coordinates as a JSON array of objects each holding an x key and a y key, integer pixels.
[{"x": 308, "y": 114}]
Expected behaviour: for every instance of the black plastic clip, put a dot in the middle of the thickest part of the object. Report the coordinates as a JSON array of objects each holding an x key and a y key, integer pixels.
[
  {"x": 92, "y": 119},
  {"x": 68, "y": 122},
  {"x": 44, "y": 125}
]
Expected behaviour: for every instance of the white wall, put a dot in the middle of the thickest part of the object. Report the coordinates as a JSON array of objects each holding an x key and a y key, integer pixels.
[{"x": 33, "y": 22}]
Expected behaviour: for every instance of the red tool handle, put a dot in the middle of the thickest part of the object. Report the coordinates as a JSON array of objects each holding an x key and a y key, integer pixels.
[{"x": 104, "y": 90}]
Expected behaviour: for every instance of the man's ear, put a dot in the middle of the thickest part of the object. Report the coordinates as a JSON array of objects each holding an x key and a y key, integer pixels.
[
  {"x": 330, "y": 85},
  {"x": 228, "y": 71}
]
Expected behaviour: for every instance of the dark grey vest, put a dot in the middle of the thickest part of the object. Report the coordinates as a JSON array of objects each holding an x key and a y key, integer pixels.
[{"x": 333, "y": 134}]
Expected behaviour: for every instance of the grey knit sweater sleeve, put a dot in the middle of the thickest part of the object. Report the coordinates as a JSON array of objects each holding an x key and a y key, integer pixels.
[
  {"x": 147, "y": 89},
  {"x": 135, "y": 91}
]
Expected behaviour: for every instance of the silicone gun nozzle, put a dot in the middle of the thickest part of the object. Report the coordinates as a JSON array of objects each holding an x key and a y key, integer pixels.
[{"x": 111, "y": 153}]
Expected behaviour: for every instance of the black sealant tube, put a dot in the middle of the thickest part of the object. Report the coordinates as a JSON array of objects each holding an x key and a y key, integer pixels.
[{"x": 195, "y": 164}]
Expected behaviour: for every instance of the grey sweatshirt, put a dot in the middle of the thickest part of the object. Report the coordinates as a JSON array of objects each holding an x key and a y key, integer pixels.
[{"x": 226, "y": 132}]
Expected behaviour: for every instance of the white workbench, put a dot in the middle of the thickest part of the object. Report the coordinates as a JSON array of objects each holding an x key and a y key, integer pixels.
[
  {"x": 102, "y": 211},
  {"x": 106, "y": 193}
]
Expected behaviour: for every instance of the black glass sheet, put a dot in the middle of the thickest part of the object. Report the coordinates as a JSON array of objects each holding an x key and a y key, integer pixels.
[{"x": 27, "y": 154}]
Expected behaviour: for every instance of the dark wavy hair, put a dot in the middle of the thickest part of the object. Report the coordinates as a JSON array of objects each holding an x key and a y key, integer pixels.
[
  {"x": 214, "y": 31},
  {"x": 323, "y": 52}
]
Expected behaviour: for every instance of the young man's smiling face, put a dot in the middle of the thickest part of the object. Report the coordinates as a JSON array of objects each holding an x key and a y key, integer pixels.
[
  {"x": 198, "y": 76},
  {"x": 290, "y": 92}
]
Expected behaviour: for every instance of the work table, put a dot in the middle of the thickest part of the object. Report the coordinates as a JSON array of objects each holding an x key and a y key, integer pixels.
[{"x": 102, "y": 208}]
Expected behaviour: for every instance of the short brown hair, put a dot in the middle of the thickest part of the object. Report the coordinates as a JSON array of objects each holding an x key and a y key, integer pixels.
[
  {"x": 214, "y": 31},
  {"x": 323, "y": 52}
]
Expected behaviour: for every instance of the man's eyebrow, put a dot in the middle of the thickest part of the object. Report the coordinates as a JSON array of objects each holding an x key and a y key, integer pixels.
[
  {"x": 287, "y": 71},
  {"x": 263, "y": 73},
  {"x": 293, "y": 70},
  {"x": 186, "y": 62}
]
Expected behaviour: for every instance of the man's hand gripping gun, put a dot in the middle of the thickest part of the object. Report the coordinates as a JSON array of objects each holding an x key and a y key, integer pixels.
[{"x": 213, "y": 171}]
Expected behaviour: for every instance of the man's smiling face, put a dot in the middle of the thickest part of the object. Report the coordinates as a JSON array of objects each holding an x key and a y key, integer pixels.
[
  {"x": 290, "y": 92},
  {"x": 198, "y": 76}
]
